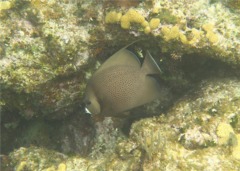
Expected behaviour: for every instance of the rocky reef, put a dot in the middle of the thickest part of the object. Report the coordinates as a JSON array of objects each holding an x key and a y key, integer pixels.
[
  {"x": 49, "y": 49},
  {"x": 201, "y": 131}
]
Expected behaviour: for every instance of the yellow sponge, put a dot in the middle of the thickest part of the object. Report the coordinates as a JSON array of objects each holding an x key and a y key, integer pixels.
[
  {"x": 183, "y": 38},
  {"x": 132, "y": 16},
  {"x": 4, "y": 5},
  {"x": 145, "y": 24},
  {"x": 154, "y": 23},
  {"x": 170, "y": 33},
  {"x": 147, "y": 30},
  {"x": 212, "y": 37},
  {"x": 225, "y": 133},
  {"x": 62, "y": 167},
  {"x": 113, "y": 17},
  {"x": 236, "y": 148},
  {"x": 208, "y": 27},
  {"x": 125, "y": 22}
]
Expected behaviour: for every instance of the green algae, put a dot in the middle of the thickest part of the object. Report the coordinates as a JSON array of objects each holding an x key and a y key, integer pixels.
[{"x": 166, "y": 17}]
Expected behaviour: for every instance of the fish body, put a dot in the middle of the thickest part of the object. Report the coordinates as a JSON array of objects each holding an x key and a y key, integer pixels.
[{"x": 122, "y": 83}]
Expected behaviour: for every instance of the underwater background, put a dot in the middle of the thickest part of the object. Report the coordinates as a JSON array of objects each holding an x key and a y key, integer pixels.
[{"x": 50, "y": 49}]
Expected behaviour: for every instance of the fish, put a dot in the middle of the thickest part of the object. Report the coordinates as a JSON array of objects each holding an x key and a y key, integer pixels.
[{"x": 122, "y": 83}]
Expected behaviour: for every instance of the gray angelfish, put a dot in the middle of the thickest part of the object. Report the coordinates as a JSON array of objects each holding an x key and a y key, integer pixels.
[{"x": 122, "y": 83}]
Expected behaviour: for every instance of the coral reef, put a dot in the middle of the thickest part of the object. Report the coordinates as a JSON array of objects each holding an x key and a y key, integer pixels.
[
  {"x": 106, "y": 138},
  {"x": 187, "y": 137},
  {"x": 42, "y": 49},
  {"x": 209, "y": 27},
  {"x": 38, "y": 60},
  {"x": 37, "y": 159}
]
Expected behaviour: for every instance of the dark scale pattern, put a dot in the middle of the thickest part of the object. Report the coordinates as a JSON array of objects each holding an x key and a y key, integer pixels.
[{"x": 119, "y": 86}]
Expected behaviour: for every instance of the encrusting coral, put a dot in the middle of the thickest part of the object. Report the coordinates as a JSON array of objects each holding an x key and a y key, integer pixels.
[
  {"x": 113, "y": 17},
  {"x": 154, "y": 23},
  {"x": 132, "y": 16},
  {"x": 170, "y": 33},
  {"x": 188, "y": 136},
  {"x": 212, "y": 37},
  {"x": 236, "y": 148},
  {"x": 5, "y": 5},
  {"x": 225, "y": 133},
  {"x": 214, "y": 27}
]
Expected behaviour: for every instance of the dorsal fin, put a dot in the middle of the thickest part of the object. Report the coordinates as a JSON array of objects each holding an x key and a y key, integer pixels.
[
  {"x": 149, "y": 65},
  {"x": 121, "y": 57}
]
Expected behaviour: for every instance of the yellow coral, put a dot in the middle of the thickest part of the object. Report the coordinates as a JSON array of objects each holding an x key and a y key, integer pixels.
[
  {"x": 62, "y": 167},
  {"x": 208, "y": 27},
  {"x": 196, "y": 33},
  {"x": 174, "y": 32},
  {"x": 212, "y": 37},
  {"x": 183, "y": 38},
  {"x": 22, "y": 166},
  {"x": 236, "y": 148},
  {"x": 225, "y": 133},
  {"x": 113, "y": 17},
  {"x": 147, "y": 30},
  {"x": 194, "y": 37},
  {"x": 170, "y": 33},
  {"x": 154, "y": 23},
  {"x": 4, "y": 5},
  {"x": 125, "y": 23},
  {"x": 165, "y": 30},
  {"x": 145, "y": 24},
  {"x": 132, "y": 16},
  {"x": 52, "y": 168},
  {"x": 155, "y": 10}
]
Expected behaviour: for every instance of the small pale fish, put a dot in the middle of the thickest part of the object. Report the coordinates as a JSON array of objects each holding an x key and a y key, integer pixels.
[{"x": 121, "y": 83}]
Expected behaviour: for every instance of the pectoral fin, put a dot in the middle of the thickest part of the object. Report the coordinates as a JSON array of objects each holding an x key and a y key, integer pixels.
[{"x": 150, "y": 66}]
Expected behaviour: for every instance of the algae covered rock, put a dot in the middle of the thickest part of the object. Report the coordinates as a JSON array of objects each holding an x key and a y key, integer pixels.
[
  {"x": 39, "y": 54},
  {"x": 184, "y": 26},
  {"x": 36, "y": 159},
  {"x": 187, "y": 137},
  {"x": 45, "y": 44},
  {"x": 43, "y": 58},
  {"x": 190, "y": 134},
  {"x": 215, "y": 102}
]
